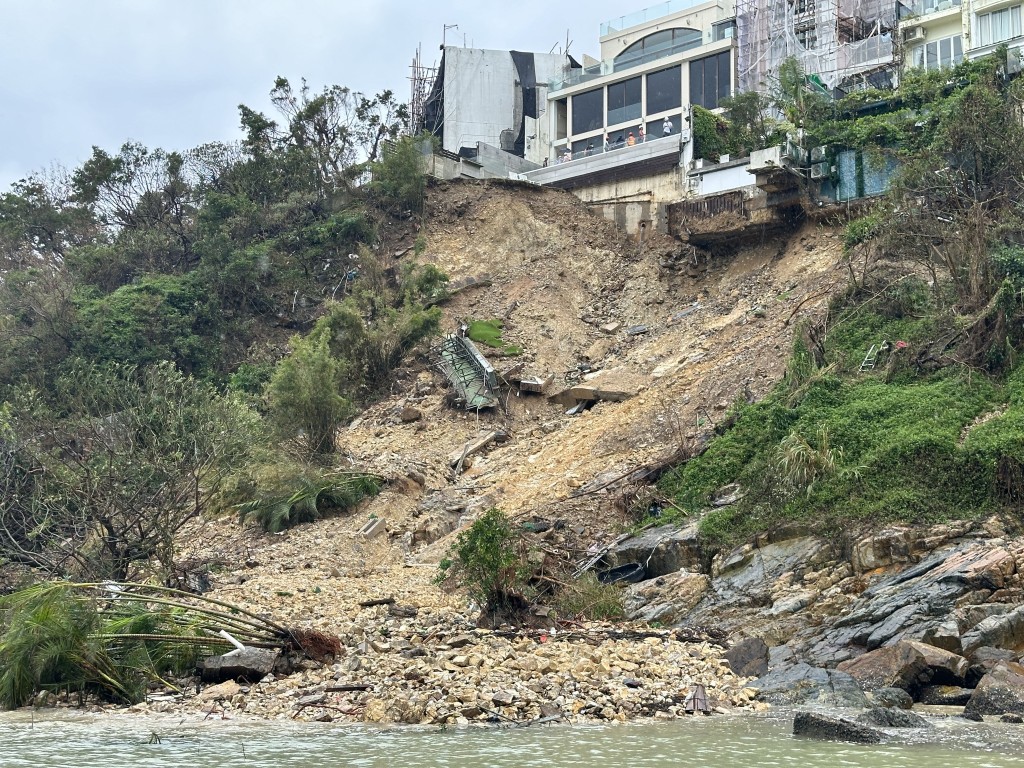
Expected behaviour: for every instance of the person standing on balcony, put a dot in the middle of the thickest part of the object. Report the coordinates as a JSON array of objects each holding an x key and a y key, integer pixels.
[
  {"x": 667, "y": 126},
  {"x": 640, "y": 135},
  {"x": 630, "y": 140}
]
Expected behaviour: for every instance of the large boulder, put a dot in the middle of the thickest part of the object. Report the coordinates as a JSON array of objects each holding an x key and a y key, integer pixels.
[
  {"x": 1001, "y": 690},
  {"x": 892, "y": 697},
  {"x": 749, "y": 657},
  {"x": 907, "y": 665},
  {"x": 246, "y": 665},
  {"x": 818, "y": 726},
  {"x": 983, "y": 660},
  {"x": 663, "y": 550},
  {"x": 1003, "y": 631},
  {"x": 884, "y": 717},
  {"x": 803, "y": 684}
]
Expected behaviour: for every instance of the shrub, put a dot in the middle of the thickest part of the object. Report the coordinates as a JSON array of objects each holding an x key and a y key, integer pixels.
[
  {"x": 489, "y": 561},
  {"x": 305, "y": 392}
]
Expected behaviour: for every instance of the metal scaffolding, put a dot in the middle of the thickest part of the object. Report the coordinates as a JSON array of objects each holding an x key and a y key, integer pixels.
[
  {"x": 842, "y": 44},
  {"x": 421, "y": 82}
]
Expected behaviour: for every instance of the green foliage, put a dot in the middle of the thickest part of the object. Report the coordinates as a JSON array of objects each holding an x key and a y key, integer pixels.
[
  {"x": 106, "y": 476},
  {"x": 157, "y": 318},
  {"x": 834, "y": 452},
  {"x": 587, "y": 599},
  {"x": 304, "y": 494},
  {"x": 489, "y": 332},
  {"x": 710, "y": 135},
  {"x": 751, "y": 122},
  {"x": 111, "y": 640},
  {"x": 399, "y": 182},
  {"x": 304, "y": 392},
  {"x": 488, "y": 560},
  {"x": 860, "y": 230}
]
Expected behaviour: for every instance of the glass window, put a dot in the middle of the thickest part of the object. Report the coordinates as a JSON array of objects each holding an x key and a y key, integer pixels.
[
  {"x": 658, "y": 44},
  {"x": 656, "y": 128},
  {"x": 711, "y": 79},
  {"x": 939, "y": 54},
  {"x": 664, "y": 90},
  {"x": 624, "y": 101},
  {"x": 999, "y": 25},
  {"x": 587, "y": 111}
]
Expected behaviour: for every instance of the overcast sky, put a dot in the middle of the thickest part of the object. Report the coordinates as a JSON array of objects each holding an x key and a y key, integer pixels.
[{"x": 171, "y": 73}]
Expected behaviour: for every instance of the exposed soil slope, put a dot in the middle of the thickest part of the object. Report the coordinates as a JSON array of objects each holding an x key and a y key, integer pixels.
[{"x": 556, "y": 274}]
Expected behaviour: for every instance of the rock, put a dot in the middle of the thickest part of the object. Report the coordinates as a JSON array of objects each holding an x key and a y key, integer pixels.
[
  {"x": 949, "y": 695},
  {"x": 946, "y": 668},
  {"x": 1005, "y": 631},
  {"x": 945, "y": 635},
  {"x": 665, "y": 598},
  {"x": 892, "y": 697},
  {"x": 249, "y": 665},
  {"x": 817, "y": 726},
  {"x": 907, "y": 665},
  {"x": 224, "y": 690},
  {"x": 915, "y": 601},
  {"x": 749, "y": 657},
  {"x": 897, "y": 666},
  {"x": 982, "y": 660},
  {"x": 802, "y": 684},
  {"x": 1009, "y": 717},
  {"x": 893, "y": 718},
  {"x": 461, "y": 640},
  {"x": 410, "y": 414},
  {"x": 503, "y": 698},
  {"x": 1001, "y": 690},
  {"x": 664, "y": 550}
]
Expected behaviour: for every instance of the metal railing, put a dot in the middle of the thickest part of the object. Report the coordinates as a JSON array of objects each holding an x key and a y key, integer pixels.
[{"x": 648, "y": 14}]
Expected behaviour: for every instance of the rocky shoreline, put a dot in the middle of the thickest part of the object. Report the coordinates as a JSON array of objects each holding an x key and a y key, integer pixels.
[{"x": 439, "y": 669}]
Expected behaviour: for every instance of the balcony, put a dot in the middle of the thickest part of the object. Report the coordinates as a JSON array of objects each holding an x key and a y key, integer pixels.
[
  {"x": 926, "y": 7},
  {"x": 599, "y": 164}
]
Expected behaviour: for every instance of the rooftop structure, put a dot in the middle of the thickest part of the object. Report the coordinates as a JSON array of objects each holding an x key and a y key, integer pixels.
[{"x": 488, "y": 97}]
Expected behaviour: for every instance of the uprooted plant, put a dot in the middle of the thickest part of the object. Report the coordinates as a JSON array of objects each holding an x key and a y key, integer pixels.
[{"x": 113, "y": 640}]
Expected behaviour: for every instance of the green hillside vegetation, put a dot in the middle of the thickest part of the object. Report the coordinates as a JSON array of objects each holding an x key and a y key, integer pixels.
[
  {"x": 183, "y": 332},
  {"x": 935, "y": 430}
]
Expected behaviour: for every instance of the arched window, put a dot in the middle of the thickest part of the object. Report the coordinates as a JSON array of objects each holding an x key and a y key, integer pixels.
[{"x": 664, "y": 42}]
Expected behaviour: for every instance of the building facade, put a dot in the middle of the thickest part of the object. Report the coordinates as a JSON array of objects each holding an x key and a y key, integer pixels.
[
  {"x": 654, "y": 64},
  {"x": 492, "y": 98},
  {"x": 940, "y": 33}
]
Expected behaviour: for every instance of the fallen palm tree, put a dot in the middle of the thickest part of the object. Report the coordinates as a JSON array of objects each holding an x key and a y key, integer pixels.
[{"x": 115, "y": 639}]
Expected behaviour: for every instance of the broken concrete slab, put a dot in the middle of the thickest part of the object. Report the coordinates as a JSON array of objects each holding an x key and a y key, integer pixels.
[
  {"x": 536, "y": 383},
  {"x": 248, "y": 665},
  {"x": 475, "y": 446},
  {"x": 372, "y": 528}
]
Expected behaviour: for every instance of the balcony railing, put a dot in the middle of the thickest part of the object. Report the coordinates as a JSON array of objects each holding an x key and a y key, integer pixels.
[
  {"x": 924, "y": 7},
  {"x": 628, "y": 61},
  {"x": 648, "y": 14}
]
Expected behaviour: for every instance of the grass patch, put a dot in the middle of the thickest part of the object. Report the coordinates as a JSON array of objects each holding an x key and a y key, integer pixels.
[
  {"x": 833, "y": 451},
  {"x": 488, "y": 332}
]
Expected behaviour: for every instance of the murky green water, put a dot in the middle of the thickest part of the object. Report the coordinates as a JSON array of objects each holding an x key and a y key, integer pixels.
[{"x": 718, "y": 742}]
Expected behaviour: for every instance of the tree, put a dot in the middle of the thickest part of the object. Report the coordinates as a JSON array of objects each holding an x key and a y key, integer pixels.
[
  {"x": 103, "y": 479},
  {"x": 305, "y": 392}
]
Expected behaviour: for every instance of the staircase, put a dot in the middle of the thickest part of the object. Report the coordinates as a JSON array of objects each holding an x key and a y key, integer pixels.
[{"x": 468, "y": 371}]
